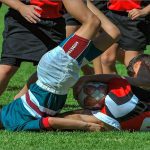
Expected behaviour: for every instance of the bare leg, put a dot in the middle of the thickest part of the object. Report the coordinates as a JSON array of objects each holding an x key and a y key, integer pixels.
[
  {"x": 6, "y": 72},
  {"x": 110, "y": 32},
  {"x": 129, "y": 55},
  {"x": 108, "y": 60},
  {"x": 31, "y": 80},
  {"x": 88, "y": 20},
  {"x": 70, "y": 29},
  {"x": 85, "y": 16},
  {"x": 97, "y": 65}
]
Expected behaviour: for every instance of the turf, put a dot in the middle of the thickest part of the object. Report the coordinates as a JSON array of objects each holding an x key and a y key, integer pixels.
[{"x": 64, "y": 140}]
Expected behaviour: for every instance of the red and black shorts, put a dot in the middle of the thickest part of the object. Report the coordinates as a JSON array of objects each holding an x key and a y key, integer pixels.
[
  {"x": 132, "y": 31},
  {"x": 24, "y": 41},
  {"x": 138, "y": 123}
]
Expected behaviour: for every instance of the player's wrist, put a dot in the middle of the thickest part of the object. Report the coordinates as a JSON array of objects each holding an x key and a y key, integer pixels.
[
  {"x": 20, "y": 7},
  {"x": 146, "y": 11}
]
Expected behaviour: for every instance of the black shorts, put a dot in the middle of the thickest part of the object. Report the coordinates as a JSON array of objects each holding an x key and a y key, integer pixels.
[
  {"x": 147, "y": 30},
  {"x": 100, "y": 4},
  {"x": 24, "y": 41},
  {"x": 132, "y": 32}
]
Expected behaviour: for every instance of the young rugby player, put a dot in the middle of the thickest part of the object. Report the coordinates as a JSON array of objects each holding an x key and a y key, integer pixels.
[
  {"x": 127, "y": 105},
  {"x": 57, "y": 71},
  {"x": 108, "y": 37},
  {"x": 122, "y": 106},
  {"x": 32, "y": 27},
  {"x": 129, "y": 16}
]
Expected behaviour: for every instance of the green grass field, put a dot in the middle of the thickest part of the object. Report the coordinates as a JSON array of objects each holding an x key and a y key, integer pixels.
[{"x": 63, "y": 140}]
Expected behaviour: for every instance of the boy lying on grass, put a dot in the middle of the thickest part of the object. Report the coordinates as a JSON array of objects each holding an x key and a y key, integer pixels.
[
  {"x": 57, "y": 71},
  {"x": 126, "y": 105}
]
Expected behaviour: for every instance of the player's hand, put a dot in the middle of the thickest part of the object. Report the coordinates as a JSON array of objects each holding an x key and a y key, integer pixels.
[
  {"x": 94, "y": 127},
  {"x": 79, "y": 85},
  {"x": 136, "y": 13},
  {"x": 29, "y": 13}
]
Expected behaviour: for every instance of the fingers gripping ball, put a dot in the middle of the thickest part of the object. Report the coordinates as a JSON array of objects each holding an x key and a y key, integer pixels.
[{"x": 92, "y": 95}]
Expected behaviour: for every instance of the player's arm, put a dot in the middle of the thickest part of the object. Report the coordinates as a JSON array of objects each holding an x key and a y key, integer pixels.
[
  {"x": 27, "y": 11},
  {"x": 147, "y": 9},
  {"x": 136, "y": 13},
  {"x": 110, "y": 32},
  {"x": 85, "y": 115},
  {"x": 69, "y": 124}
]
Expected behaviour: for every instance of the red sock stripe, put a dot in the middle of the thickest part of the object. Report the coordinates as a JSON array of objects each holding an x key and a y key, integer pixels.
[
  {"x": 46, "y": 124},
  {"x": 75, "y": 46},
  {"x": 33, "y": 106}
]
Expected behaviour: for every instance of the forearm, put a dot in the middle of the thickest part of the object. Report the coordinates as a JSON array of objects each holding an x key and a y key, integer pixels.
[
  {"x": 69, "y": 124},
  {"x": 62, "y": 123},
  {"x": 147, "y": 9},
  {"x": 15, "y": 4}
]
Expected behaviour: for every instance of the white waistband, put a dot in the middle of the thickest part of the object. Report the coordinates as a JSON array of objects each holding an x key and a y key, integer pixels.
[{"x": 50, "y": 89}]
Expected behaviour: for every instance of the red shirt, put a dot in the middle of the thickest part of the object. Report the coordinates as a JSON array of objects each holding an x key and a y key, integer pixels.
[
  {"x": 124, "y": 5},
  {"x": 140, "y": 122},
  {"x": 50, "y": 8}
]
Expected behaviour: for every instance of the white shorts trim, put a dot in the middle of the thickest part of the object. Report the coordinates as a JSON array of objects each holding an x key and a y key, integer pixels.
[
  {"x": 108, "y": 120},
  {"x": 47, "y": 88}
]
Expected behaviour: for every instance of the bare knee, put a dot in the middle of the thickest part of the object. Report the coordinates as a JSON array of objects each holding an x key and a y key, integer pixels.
[
  {"x": 7, "y": 71},
  {"x": 108, "y": 59},
  {"x": 93, "y": 21}
]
